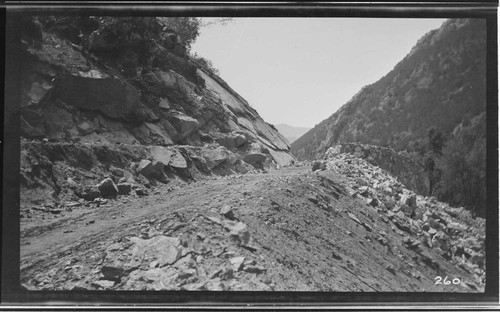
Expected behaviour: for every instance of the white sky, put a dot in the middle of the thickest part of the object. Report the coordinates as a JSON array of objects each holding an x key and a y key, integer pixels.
[{"x": 299, "y": 71}]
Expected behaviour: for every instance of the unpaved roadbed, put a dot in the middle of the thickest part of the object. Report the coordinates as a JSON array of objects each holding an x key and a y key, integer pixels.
[{"x": 287, "y": 229}]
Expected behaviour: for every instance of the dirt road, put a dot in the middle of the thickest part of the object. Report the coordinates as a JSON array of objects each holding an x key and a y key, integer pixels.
[{"x": 287, "y": 229}]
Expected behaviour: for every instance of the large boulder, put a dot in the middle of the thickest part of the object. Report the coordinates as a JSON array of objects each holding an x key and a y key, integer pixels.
[
  {"x": 124, "y": 188},
  {"x": 158, "y": 172},
  {"x": 152, "y": 169},
  {"x": 113, "y": 97},
  {"x": 107, "y": 188},
  {"x": 145, "y": 167},
  {"x": 184, "y": 124},
  {"x": 254, "y": 158},
  {"x": 239, "y": 139},
  {"x": 215, "y": 157},
  {"x": 161, "y": 154},
  {"x": 177, "y": 160},
  {"x": 195, "y": 154},
  {"x": 232, "y": 140},
  {"x": 166, "y": 250}
]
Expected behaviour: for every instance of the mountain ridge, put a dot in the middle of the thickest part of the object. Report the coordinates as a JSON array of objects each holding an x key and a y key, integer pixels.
[
  {"x": 432, "y": 106},
  {"x": 365, "y": 117}
]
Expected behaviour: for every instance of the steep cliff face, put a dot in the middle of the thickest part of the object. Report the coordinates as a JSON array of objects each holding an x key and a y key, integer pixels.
[
  {"x": 75, "y": 96},
  {"x": 89, "y": 82},
  {"x": 440, "y": 83}
]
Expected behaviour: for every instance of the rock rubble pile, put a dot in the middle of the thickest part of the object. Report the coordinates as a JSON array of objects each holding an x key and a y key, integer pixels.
[
  {"x": 206, "y": 252},
  {"x": 453, "y": 232},
  {"x": 71, "y": 175},
  {"x": 408, "y": 171}
]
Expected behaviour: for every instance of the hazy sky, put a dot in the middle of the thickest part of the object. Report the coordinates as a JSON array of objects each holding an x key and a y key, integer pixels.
[{"x": 299, "y": 71}]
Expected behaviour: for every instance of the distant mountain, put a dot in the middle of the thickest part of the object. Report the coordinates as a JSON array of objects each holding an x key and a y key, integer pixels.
[
  {"x": 440, "y": 83},
  {"x": 291, "y": 133}
]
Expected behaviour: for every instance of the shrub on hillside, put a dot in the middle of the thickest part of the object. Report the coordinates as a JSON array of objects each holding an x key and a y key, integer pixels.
[{"x": 205, "y": 63}]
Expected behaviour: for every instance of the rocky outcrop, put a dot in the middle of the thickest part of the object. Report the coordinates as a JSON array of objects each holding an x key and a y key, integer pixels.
[
  {"x": 63, "y": 170},
  {"x": 113, "y": 87},
  {"x": 135, "y": 102},
  {"x": 407, "y": 170},
  {"x": 245, "y": 119}
]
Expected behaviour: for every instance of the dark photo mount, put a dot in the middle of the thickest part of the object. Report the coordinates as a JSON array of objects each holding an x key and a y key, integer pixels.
[{"x": 16, "y": 35}]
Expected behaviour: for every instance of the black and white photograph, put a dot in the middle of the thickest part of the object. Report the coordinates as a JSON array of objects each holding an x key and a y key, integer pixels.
[{"x": 219, "y": 154}]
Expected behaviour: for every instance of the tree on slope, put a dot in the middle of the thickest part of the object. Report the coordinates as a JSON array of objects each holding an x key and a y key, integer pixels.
[{"x": 434, "y": 151}]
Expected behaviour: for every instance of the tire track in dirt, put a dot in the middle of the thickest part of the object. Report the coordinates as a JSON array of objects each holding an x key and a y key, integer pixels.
[
  {"x": 303, "y": 237},
  {"x": 51, "y": 240}
]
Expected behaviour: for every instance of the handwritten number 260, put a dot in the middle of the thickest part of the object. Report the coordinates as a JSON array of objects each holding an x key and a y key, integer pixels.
[{"x": 445, "y": 281}]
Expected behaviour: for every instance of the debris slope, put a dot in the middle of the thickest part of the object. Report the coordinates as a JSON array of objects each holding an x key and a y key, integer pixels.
[{"x": 350, "y": 227}]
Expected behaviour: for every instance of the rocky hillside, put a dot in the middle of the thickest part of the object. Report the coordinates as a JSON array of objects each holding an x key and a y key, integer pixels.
[
  {"x": 440, "y": 83},
  {"x": 351, "y": 227},
  {"x": 122, "y": 97}
]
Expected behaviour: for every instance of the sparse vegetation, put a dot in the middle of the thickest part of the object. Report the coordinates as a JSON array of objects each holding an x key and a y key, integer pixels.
[
  {"x": 188, "y": 28},
  {"x": 205, "y": 63},
  {"x": 428, "y": 88},
  {"x": 463, "y": 167},
  {"x": 432, "y": 155}
]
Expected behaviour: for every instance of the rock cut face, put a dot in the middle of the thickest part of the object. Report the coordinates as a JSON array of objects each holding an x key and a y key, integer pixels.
[
  {"x": 139, "y": 88},
  {"x": 127, "y": 95}
]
